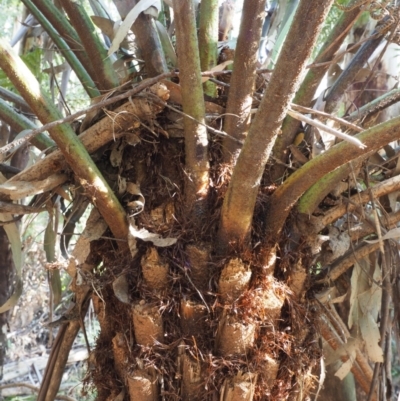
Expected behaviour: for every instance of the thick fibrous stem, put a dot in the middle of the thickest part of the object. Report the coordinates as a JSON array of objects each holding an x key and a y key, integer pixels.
[{"x": 240, "y": 199}]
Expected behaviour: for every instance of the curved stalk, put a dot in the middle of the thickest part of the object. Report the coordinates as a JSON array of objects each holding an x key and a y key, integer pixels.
[
  {"x": 73, "y": 150},
  {"x": 317, "y": 192},
  {"x": 285, "y": 197},
  {"x": 314, "y": 195},
  {"x": 239, "y": 202},
  {"x": 237, "y": 120},
  {"x": 62, "y": 46}
]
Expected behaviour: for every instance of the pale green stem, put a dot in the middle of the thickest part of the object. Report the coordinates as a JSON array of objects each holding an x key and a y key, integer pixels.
[{"x": 74, "y": 152}]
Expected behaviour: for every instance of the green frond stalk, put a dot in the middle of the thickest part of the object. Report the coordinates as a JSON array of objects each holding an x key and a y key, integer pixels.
[
  {"x": 74, "y": 152},
  {"x": 83, "y": 76},
  {"x": 290, "y": 8},
  {"x": 98, "y": 9},
  {"x": 285, "y": 197},
  {"x": 196, "y": 141},
  {"x": 314, "y": 195},
  {"x": 106, "y": 77},
  {"x": 375, "y": 106},
  {"x": 13, "y": 98},
  {"x": 18, "y": 122},
  {"x": 57, "y": 19},
  {"x": 208, "y": 41}
]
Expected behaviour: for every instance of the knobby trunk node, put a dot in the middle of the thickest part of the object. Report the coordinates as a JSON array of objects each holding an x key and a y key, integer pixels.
[{"x": 193, "y": 324}]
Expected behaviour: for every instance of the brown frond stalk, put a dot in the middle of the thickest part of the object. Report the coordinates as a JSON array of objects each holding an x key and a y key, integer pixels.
[
  {"x": 238, "y": 206},
  {"x": 237, "y": 120},
  {"x": 309, "y": 86}
]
